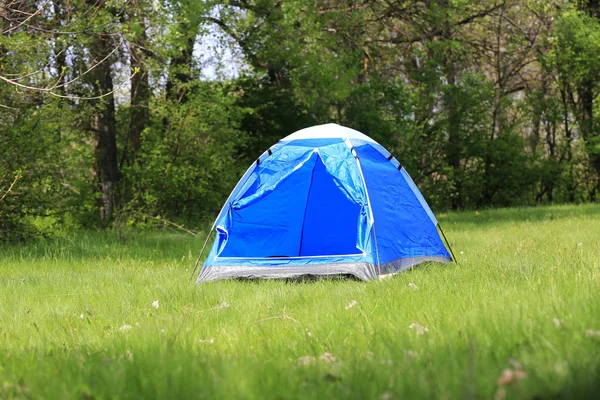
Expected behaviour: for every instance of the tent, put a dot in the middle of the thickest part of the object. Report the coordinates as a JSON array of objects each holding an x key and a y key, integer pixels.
[{"x": 326, "y": 200}]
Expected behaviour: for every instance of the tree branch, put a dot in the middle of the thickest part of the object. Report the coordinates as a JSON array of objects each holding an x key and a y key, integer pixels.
[
  {"x": 51, "y": 90},
  {"x": 40, "y": 8},
  {"x": 10, "y": 187},
  {"x": 439, "y": 31},
  {"x": 8, "y": 108}
]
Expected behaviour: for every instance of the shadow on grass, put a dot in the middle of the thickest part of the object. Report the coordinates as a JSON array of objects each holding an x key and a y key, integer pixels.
[
  {"x": 312, "y": 279},
  {"x": 299, "y": 280},
  {"x": 588, "y": 387}
]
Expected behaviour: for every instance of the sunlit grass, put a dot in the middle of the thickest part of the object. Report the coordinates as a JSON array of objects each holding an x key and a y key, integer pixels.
[{"x": 519, "y": 317}]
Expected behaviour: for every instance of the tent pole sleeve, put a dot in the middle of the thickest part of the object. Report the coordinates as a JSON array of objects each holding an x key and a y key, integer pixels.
[
  {"x": 355, "y": 154},
  {"x": 312, "y": 178},
  {"x": 201, "y": 252},
  {"x": 447, "y": 243}
]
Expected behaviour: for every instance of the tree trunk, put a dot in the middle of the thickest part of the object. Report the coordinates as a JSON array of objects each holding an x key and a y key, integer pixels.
[
  {"x": 592, "y": 7},
  {"x": 180, "y": 70},
  {"x": 453, "y": 150},
  {"x": 451, "y": 101},
  {"x": 105, "y": 152},
  {"x": 140, "y": 96},
  {"x": 567, "y": 153},
  {"x": 103, "y": 125},
  {"x": 586, "y": 100}
]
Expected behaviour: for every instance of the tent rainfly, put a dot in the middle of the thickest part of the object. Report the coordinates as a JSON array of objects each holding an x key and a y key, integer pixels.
[{"x": 326, "y": 200}]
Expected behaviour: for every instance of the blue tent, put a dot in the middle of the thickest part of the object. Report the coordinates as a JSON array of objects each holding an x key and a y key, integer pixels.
[{"x": 326, "y": 200}]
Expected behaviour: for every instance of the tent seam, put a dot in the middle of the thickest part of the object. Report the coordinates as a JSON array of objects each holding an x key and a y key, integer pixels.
[
  {"x": 368, "y": 204},
  {"x": 312, "y": 178}
]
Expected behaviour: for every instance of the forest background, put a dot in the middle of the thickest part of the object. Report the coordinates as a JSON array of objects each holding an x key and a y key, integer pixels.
[{"x": 130, "y": 113}]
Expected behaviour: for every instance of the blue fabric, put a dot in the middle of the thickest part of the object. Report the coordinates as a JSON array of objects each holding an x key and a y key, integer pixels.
[
  {"x": 330, "y": 222},
  {"x": 302, "y": 201},
  {"x": 403, "y": 227},
  {"x": 272, "y": 169},
  {"x": 292, "y": 261},
  {"x": 268, "y": 222},
  {"x": 306, "y": 203},
  {"x": 407, "y": 177}
]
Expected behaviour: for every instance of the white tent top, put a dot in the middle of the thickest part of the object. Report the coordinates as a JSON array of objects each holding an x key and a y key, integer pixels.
[{"x": 327, "y": 131}]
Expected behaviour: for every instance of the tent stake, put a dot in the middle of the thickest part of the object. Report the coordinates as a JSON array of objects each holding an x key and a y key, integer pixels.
[
  {"x": 447, "y": 244},
  {"x": 202, "y": 251}
]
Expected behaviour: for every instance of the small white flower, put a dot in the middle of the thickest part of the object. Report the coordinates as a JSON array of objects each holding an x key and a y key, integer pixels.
[
  {"x": 419, "y": 328},
  {"x": 462, "y": 252},
  {"x": 81, "y": 316},
  {"x": 562, "y": 368},
  {"x": 125, "y": 327},
  {"x": 155, "y": 304},
  {"x": 557, "y": 322},
  {"x": 411, "y": 353},
  {"x": 515, "y": 364},
  {"x": 510, "y": 376},
  {"x": 413, "y": 286},
  {"x": 579, "y": 244},
  {"x": 328, "y": 357},
  {"x": 501, "y": 392},
  {"x": 351, "y": 304},
  {"x": 306, "y": 361},
  {"x": 308, "y": 333},
  {"x": 209, "y": 341},
  {"x": 222, "y": 305}
]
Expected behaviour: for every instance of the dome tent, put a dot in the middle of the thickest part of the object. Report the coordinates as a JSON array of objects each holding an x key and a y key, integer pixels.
[{"x": 326, "y": 200}]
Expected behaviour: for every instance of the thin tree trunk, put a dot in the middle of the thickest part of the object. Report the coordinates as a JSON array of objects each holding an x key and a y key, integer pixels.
[
  {"x": 567, "y": 152},
  {"x": 586, "y": 99},
  {"x": 103, "y": 125},
  {"x": 180, "y": 70},
  {"x": 140, "y": 95},
  {"x": 453, "y": 148},
  {"x": 105, "y": 152}
]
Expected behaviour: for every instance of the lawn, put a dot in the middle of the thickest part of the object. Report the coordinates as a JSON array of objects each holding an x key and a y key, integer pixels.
[{"x": 91, "y": 316}]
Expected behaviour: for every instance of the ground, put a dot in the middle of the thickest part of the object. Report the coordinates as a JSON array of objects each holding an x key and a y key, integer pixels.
[{"x": 91, "y": 316}]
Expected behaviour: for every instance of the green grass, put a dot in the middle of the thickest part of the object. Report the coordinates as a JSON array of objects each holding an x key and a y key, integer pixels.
[{"x": 76, "y": 319}]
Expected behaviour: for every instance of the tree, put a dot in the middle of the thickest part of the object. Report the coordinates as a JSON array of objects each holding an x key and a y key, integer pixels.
[{"x": 577, "y": 60}]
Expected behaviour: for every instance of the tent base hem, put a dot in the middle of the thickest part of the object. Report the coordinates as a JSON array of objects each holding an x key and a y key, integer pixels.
[{"x": 361, "y": 270}]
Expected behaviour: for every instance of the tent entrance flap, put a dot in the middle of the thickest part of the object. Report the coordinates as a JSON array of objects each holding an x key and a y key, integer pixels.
[
  {"x": 307, "y": 216},
  {"x": 330, "y": 224}
]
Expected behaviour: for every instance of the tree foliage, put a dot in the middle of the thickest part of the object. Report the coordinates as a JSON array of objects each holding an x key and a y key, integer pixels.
[{"x": 107, "y": 114}]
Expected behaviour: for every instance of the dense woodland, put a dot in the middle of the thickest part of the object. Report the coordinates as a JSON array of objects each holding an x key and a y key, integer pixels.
[{"x": 108, "y": 116}]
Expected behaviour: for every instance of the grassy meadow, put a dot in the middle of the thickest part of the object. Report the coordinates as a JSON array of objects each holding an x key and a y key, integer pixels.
[{"x": 91, "y": 316}]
